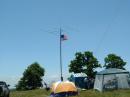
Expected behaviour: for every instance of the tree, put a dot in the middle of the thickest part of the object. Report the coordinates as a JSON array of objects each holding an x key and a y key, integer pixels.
[
  {"x": 32, "y": 77},
  {"x": 76, "y": 65},
  {"x": 114, "y": 61},
  {"x": 84, "y": 63}
]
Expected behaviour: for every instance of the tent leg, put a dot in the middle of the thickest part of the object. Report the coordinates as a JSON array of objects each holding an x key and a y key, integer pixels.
[{"x": 103, "y": 84}]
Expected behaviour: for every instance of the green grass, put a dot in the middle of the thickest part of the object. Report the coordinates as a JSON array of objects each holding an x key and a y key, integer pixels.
[
  {"x": 87, "y": 93},
  {"x": 30, "y": 93}
]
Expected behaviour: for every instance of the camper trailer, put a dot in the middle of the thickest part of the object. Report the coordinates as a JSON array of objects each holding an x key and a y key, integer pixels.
[{"x": 79, "y": 80}]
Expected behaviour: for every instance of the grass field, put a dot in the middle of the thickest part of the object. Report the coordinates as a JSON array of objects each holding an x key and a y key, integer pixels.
[
  {"x": 30, "y": 93},
  {"x": 87, "y": 93}
]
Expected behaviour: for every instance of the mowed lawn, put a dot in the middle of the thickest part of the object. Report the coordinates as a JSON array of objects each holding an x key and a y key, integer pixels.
[{"x": 87, "y": 93}]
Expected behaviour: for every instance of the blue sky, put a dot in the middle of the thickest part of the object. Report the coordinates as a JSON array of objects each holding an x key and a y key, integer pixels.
[{"x": 101, "y": 26}]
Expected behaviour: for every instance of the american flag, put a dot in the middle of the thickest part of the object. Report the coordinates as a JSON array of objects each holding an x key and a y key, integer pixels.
[{"x": 63, "y": 37}]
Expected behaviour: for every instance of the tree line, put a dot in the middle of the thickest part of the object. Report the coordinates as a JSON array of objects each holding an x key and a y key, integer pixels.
[
  {"x": 84, "y": 62},
  {"x": 87, "y": 63}
]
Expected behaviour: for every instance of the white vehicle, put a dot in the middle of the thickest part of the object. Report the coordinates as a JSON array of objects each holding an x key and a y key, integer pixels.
[{"x": 4, "y": 90}]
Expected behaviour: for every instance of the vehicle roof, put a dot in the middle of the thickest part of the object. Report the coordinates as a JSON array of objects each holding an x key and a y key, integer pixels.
[{"x": 2, "y": 82}]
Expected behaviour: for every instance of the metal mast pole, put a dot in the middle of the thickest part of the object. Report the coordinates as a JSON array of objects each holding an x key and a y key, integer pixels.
[{"x": 61, "y": 54}]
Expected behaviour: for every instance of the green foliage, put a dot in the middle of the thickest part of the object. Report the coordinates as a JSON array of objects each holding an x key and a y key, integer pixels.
[
  {"x": 114, "y": 61},
  {"x": 32, "y": 77},
  {"x": 85, "y": 63},
  {"x": 76, "y": 65}
]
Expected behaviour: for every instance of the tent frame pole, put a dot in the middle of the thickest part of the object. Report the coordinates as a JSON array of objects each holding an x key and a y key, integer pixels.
[{"x": 103, "y": 83}]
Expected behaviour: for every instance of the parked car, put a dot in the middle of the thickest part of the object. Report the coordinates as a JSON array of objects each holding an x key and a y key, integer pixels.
[{"x": 4, "y": 90}]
